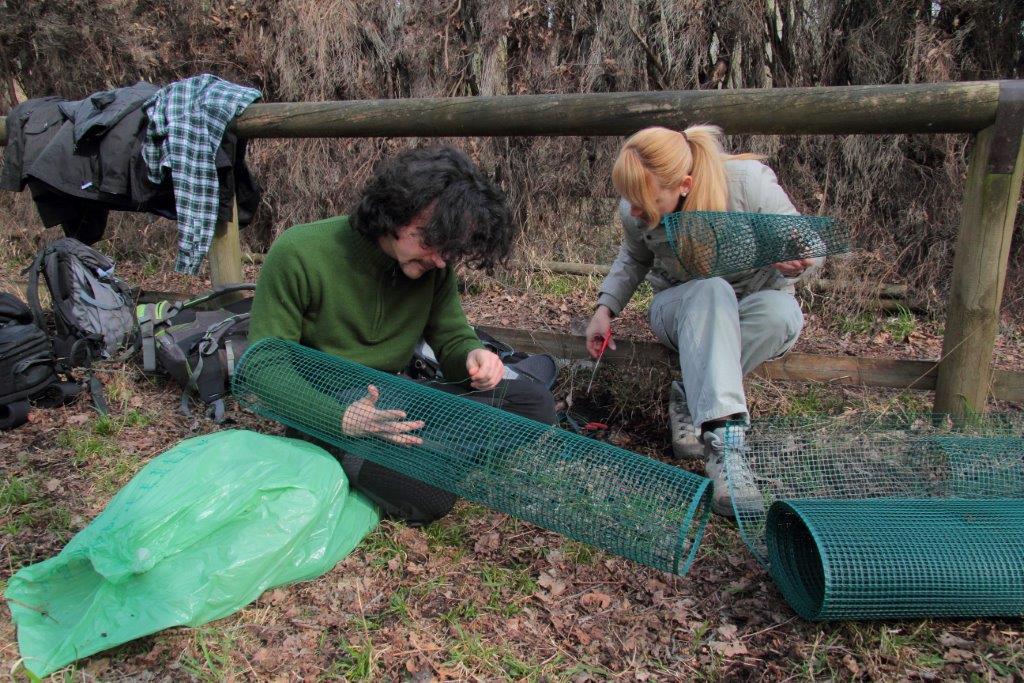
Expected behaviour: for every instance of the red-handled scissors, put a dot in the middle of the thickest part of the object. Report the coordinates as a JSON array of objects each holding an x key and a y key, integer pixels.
[{"x": 600, "y": 355}]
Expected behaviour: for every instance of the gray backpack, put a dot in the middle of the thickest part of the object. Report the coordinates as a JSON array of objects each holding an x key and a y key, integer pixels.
[
  {"x": 197, "y": 342},
  {"x": 92, "y": 309}
]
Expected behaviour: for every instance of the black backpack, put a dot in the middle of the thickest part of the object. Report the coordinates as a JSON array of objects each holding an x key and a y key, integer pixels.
[
  {"x": 196, "y": 344},
  {"x": 92, "y": 309},
  {"x": 28, "y": 369}
]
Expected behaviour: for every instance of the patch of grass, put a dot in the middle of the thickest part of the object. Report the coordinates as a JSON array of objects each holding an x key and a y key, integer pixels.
[
  {"x": 87, "y": 446},
  {"x": 153, "y": 264},
  {"x": 900, "y": 326},
  {"x": 506, "y": 586},
  {"x": 860, "y": 323},
  {"x": 136, "y": 418},
  {"x": 358, "y": 663},
  {"x": 587, "y": 672},
  {"x": 559, "y": 285},
  {"x": 517, "y": 669},
  {"x": 23, "y": 505},
  {"x": 471, "y": 651},
  {"x": 19, "y": 507},
  {"x": 643, "y": 297},
  {"x": 910, "y": 403},
  {"x": 368, "y": 623},
  {"x": 466, "y": 511},
  {"x": 579, "y": 553},
  {"x": 462, "y": 613},
  {"x": 59, "y": 521},
  {"x": 212, "y": 659},
  {"x": 115, "y": 473},
  {"x": 814, "y": 399},
  {"x": 15, "y": 491},
  {"x": 431, "y": 586},
  {"x": 446, "y": 532},
  {"x": 398, "y": 606},
  {"x": 106, "y": 425},
  {"x": 381, "y": 547},
  {"x": 817, "y": 665}
]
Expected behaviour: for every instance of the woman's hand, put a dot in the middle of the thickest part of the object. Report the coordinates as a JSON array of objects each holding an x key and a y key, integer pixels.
[
  {"x": 485, "y": 369},
  {"x": 363, "y": 418},
  {"x": 599, "y": 328},
  {"x": 793, "y": 268}
]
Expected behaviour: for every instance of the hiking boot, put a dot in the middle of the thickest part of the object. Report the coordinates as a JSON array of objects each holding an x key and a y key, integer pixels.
[
  {"x": 685, "y": 443},
  {"x": 745, "y": 496}
]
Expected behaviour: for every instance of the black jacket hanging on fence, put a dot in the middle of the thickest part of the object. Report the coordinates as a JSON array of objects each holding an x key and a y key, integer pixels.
[{"x": 81, "y": 159}]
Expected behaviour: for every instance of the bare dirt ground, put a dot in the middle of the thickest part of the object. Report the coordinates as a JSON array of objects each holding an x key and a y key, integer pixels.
[{"x": 479, "y": 595}]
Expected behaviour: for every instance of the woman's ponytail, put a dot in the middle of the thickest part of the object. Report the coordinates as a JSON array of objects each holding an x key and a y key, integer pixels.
[{"x": 709, "y": 191}]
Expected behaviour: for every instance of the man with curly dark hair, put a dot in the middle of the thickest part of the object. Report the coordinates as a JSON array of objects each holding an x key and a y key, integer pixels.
[{"x": 369, "y": 287}]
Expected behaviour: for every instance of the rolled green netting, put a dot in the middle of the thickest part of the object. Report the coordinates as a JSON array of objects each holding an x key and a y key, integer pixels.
[
  {"x": 857, "y": 457},
  {"x": 887, "y": 558},
  {"x": 719, "y": 243},
  {"x": 633, "y": 506}
]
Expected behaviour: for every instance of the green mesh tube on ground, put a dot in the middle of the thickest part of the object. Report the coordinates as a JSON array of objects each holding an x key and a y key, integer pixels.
[
  {"x": 863, "y": 457},
  {"x": 627, "y": 504},
  {"x": 719, "y": 243},
  {"x": 899, "y": 558}
]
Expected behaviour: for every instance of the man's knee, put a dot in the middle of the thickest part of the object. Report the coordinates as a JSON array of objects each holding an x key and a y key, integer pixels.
[{"x": 529, "y": 399}]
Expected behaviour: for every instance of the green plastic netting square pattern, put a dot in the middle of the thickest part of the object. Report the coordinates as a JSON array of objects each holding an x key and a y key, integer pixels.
[{"x": 721, "y": 243}]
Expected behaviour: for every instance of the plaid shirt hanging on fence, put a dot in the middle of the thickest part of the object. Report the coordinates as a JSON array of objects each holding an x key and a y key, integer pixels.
[{"x": 187, "y": 120}]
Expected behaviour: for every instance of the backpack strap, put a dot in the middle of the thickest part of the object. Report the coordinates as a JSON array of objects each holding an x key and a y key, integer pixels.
[
  {"x": 218, "y": 292},
  {"x": 147, "y": 333},
  {"x": 229, "y": 356},
  {"x": 33, "y": 272}
]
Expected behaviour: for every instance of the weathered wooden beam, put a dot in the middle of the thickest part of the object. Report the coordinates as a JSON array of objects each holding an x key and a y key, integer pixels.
[
  {"x": 918, "y": 108},
  {"x": 991, "y": 196},
  {"x": 803, "y": 367}
]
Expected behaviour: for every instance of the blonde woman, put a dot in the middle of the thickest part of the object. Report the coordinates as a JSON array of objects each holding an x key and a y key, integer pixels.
[{"x": 722, "y": 328}]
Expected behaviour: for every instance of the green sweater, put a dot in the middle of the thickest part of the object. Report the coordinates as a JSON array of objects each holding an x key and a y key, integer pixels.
[{"x": 326, "y": 286}]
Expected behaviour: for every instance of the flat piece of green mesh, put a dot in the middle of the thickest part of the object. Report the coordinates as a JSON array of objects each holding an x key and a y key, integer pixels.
[
  {"x": 719, "y": 243},
  {"x": 857, "y": 457},
  {"x": 622, "y": 502},
  {"x": 887, "y": 558}
]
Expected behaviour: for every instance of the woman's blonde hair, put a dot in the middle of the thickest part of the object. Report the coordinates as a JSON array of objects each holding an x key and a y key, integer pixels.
[{"x": 659, "y": 157}]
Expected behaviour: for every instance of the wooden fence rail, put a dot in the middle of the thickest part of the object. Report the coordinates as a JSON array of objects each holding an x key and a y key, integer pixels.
[{"x": 991, "y": 111}]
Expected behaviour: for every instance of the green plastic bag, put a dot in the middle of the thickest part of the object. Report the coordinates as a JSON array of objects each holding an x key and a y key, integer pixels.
[{"x": 199, "y": 533}]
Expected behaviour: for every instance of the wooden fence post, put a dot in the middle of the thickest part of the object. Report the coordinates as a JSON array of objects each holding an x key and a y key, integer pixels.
[
  {"x": 226, "y": 251},
  {"x": 982, "y": 251}
]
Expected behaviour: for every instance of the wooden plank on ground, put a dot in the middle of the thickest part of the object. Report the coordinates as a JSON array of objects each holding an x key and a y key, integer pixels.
[{"x": 802, "y": 367}]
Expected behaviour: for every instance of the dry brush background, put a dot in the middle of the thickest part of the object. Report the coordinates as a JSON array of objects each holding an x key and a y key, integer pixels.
[{"x": 902, "y": 193}]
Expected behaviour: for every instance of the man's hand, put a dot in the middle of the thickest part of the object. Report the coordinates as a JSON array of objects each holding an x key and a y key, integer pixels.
[
  {"x": 793, "y": 268},
  {"x": 485, "y": 369},
  {"x": 599, "y": 328},
  {"x": 362, "y": 418}
]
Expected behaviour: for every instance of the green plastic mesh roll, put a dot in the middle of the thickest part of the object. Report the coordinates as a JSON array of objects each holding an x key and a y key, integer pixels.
[
  {"x": 627, "y": 504},
  {"x": 888, "y": 558},
  {"x": 719, "y": 243},
  {"x": 856, "y": 458}
]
